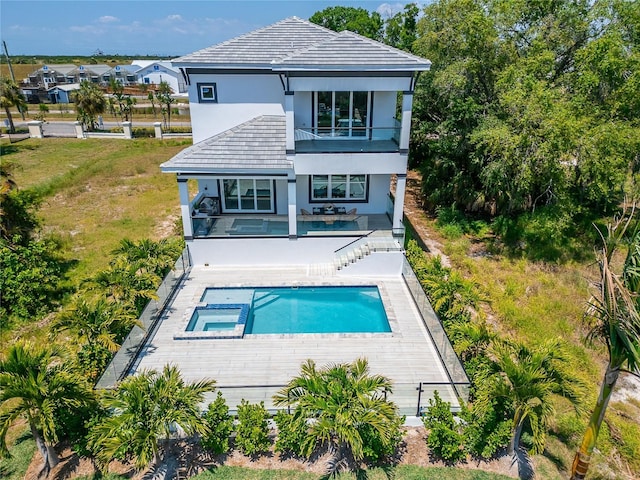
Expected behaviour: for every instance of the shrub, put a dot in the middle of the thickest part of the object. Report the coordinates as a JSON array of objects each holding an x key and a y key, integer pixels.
[
  {"x": 377, "y": 448},
  {"x": 252, "y": 435},
  {"x": 444, "y": 439},
  {"x": 220, "y": 425},
  {"x": 487, "y": 429},
  {"x": 292, "y": 433}
]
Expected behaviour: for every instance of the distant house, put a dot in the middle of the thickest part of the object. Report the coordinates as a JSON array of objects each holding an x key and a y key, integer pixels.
[
  {"x": 123, "y": 74},
  {"x": 153, "y": 73},
  {"x": 62, "y": 93}
]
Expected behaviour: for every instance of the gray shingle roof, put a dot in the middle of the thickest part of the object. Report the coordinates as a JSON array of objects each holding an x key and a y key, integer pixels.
[
  {"x": 348, "y": 49},
  {"x": 256, "y": 144},
  {"x": 296, "y": 44},
  {"x": 261, "y": 47}
]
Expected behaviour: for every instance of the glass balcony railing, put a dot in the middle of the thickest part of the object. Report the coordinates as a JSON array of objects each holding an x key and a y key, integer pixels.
[{"x": 347, "y": 139}]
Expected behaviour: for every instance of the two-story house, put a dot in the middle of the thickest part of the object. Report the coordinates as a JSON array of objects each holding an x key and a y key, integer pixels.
[
  {"x": 298, "y": 131},
  {"x": 294, "y": 241}
]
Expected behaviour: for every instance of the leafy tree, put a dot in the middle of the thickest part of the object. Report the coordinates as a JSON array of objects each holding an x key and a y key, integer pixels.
[
  {"x": 10, "y": 96},
  {"x": 613, "y": 320},
  {"x": 347, "y": 409},
  {"x": 358, "y": 20},
  {"x": 528, "y": 379},
  {"x": 401, "y": 29},
  {"x": 252, "y": 432},
  {"x": 90, "y": 102},
  {"x": 43, "y": 109},
  {"x": 31, "y": 278},
  {"x": 35, "y": 384},
  {"x": 144, "y": 409},
  {"x": 220, "y": 426}
]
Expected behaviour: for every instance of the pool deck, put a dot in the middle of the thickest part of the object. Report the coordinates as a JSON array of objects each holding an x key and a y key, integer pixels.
[{"x": 256, "y": 366}]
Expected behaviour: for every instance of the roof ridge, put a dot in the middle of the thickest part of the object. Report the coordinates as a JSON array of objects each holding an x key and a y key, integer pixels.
[
  {"x": 380, "y": 44},
  {"x": 344, "y": 33},
  {"x": 258, "y": 30}
]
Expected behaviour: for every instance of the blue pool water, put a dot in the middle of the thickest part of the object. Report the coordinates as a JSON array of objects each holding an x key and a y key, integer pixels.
[{"x": 307, "y": 309}]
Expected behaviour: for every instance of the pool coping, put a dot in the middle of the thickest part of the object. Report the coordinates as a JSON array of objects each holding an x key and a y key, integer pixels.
[{"x": 238, "y": 331}]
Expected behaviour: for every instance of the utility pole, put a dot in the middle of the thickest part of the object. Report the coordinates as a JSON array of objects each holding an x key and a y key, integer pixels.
[
  {"x": 6, "y": 54},
  {"x": 13, "y": 77}
]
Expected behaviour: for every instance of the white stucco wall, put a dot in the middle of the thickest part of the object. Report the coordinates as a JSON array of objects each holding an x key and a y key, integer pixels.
[
  {"x": 240, "y": 99},
  {"x": 265, "y": 251},
  {"x": 389, "y": 84},
  {"x": 317, "y": 163},
  {"x": 384, "y": 111}
]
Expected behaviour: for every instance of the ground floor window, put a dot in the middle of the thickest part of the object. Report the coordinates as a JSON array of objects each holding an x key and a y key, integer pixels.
[
  {"x": 247, "y": 195},
  {"x": 339, "y": 187}
]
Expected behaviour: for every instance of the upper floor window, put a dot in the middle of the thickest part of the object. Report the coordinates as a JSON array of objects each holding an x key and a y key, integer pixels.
[
  {"x": 339, "y": 187},
  {"x": 207, "y": 93},
  {"x": 343, "y": 114}
]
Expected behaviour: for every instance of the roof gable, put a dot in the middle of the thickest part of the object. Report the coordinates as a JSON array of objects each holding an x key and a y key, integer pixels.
[{"x": 261, "y": 47}]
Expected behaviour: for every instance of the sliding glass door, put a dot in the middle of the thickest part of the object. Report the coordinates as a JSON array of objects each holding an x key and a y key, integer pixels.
[
  {"x": 341, "y": 114},
  {"x": 247, "y": 195}
]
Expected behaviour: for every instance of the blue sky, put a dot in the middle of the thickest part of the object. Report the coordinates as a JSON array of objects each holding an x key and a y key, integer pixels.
[{"x": 140, "y": 27}]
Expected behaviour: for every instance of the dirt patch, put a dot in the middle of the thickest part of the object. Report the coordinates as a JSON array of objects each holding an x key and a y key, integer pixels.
[{"x": 188, "y": 458}]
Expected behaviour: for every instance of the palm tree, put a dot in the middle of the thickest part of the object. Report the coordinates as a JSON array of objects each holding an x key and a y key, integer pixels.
[
  {"x": 90, "y": 102},
  {"x": 145, "y": 408},
  {"x": 344, "y": 401},
  {"x": 97, "y": 327},
  {"x": 615, "y": 321},
  {"x": 10, "y": 96},
  {"x": 124, "y": 283},
  {"x": 529, "y": 378},
  {"x": 151, "y": 256},
  {"x": 35, "y": 385}
]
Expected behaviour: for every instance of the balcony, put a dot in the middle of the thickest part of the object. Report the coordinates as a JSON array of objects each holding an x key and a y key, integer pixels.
[
  {"x": 278, "y": 225},
  {"x": 347, "y": 139}
]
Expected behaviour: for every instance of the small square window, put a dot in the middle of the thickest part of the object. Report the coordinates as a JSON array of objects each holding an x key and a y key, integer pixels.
[{"x": 207, "y": 92}]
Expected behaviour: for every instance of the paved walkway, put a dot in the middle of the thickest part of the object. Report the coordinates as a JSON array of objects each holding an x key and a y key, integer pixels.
[{"x": 256, "y": 366}]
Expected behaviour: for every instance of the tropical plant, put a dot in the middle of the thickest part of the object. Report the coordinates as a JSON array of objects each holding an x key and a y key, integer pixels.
[
  {"x": 358, "y": 20},
  {"x": 90, "y": 102},
  {"x": 156, "y": 257},
  {"x": 528, "y": 378},
  {"x": 220, "y": 426},
  {"x": 291, "y": 433},
  {"x": 145, "y": 409},
  {"x": 252, "y": 432},
  {"x": 97, "y": 328},
  {"x": 120, "y": 104},
  {"x": 10, "y": 96},
  {"x": 614, "y": 320},
  {"x": 347, "y": 409},
  {"x": 124, "y": 283},
  {"x": 164, "y": 98},
  {"x": 35, "y": 384},
  {"x": 445, "y": 436}
]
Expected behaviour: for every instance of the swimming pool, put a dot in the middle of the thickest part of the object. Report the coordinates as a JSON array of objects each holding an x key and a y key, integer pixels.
[{"x": 317, "y": 309}]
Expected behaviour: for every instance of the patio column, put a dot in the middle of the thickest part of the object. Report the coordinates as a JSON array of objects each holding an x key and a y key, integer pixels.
[
  {"x": 187, "y": 226},
  {"x": 293, "y": 214},
  {"x": 407, "y": 102},
  {"x": 398, "y": 204},
  {"x": 288, "y": 111}
]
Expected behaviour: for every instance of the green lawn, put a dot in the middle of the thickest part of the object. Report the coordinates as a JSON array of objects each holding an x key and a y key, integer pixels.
[
  {"x": 22, "y": 449},
  {"x": 404, "y": 472},
  {"x": 95, "y": 192}
]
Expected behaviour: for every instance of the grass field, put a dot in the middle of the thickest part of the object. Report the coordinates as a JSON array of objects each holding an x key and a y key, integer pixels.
[
  {"x": 404, "y": 472},
  {"x": 95, "y": 192}
]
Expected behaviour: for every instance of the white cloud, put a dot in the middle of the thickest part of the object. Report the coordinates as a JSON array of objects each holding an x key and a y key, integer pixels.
[
  {"x": 388, "y": 10},
  {"x": 174, "y": 18},
  {"x": 108, "y": 19}
]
